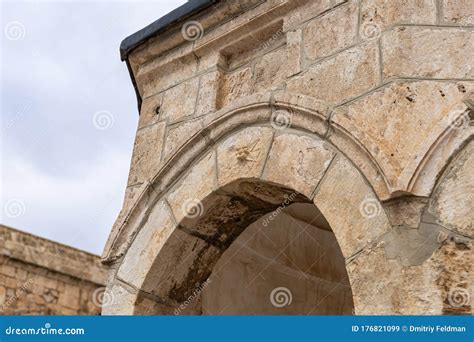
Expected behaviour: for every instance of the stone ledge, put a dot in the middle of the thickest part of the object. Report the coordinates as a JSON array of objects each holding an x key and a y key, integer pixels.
[{"x": 51, "y": 255}]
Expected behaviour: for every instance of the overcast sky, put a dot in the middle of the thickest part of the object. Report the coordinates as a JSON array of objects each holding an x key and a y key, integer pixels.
[{"x": 69, "y": 115}]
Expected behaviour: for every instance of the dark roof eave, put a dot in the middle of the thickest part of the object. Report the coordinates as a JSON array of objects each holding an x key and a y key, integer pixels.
[
  {"x": 139, "y": 37},
  {"x": 178, "y": 14}
]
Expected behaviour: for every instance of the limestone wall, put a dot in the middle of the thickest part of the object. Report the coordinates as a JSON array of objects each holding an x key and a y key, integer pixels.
[
  {"x": 371, "y": 60},
  {"x": 363, "y": 106},
  {"x": 41, "y": 277}
]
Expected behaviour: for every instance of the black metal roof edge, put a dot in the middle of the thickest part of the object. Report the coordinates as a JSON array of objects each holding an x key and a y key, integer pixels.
[
  {"x": 186, "y": 10},
  {"x": 135, "y": 87}
]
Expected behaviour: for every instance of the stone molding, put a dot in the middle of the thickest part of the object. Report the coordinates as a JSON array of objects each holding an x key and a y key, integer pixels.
[
  {"x": 176, "y": 251},
  {"x": 51, "y": 255},
  {"x": 307, "y": 115},
  {"x": 376, "y": 131}
]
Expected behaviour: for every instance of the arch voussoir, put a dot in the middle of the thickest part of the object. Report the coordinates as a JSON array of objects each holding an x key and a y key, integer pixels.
[
  {"x": 307, "y": 116},
  {"x": 202, "y": 203},
  {"x": 212, "y": 204}
]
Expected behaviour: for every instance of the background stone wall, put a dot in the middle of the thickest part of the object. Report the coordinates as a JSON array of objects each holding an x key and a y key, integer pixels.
[{"x": 41, "y": 277}]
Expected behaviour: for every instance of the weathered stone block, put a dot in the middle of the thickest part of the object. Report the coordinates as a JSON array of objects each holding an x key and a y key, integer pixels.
[
  {"x": 179, "y": 134},
  {"x": 460, "y": 12},
  {"x": 339, "y": 78},
  {"x": 243, "y": 154},
  {"x": 208, "y": 90},
  {"x": 398, "y": 291},
  {"x": 68, "y": 301},
  {"x": 453, "y": 199},
  {"x": 14, "y": 283},
  {"x": 146, "y": 246},
  {"x": 271, "y": 70},
  {"x": 294, "y": 39},
  {"x": 150, "y": 112},
  {"x": 3, "y": 295},
  {"x": 358, "y": 219},
  {"x": 154, "y": 78},
  {"x": 331, "y": 32},
  {"x": 427, "y": 52},
  {"x": 234, "y": 119},
  {"x": 378, "y": 15},
  {"x": 72, "y": 290},
  {"x": 236, "y": 84},
  {"x": 185, "y": 198},
  {"x": 308, "y": 10},
  {"x": 123, "y": 302},
  {"x": 405, "y": 211},
  {"x": 400, "y": 123},
  {"x": 7, "y": 270},
  {"x": 49, "y": 283},
  {"x": 427, "y": 289},
  {"x": 185, "y": 262},
  {"x": 313, "y": 117},
  {"x": 211, "y": 60},
  {"x": 303, "y": 172},
  {"x": 146, "y": 153},
  {"x": 180, "y": 100}
]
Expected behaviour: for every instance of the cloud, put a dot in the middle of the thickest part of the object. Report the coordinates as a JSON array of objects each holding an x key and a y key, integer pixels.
[
  {"x": 77, "y": 210},
  {"x": 70, "y": 175}
]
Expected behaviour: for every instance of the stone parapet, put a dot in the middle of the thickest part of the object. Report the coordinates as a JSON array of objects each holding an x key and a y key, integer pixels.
[{"x": 39, "y": 276}]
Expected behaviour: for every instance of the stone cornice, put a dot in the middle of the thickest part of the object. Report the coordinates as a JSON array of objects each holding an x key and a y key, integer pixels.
[{"x": 51, "y": 255}]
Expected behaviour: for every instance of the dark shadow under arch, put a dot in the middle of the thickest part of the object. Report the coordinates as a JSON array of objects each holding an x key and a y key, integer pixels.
[{"x": 218, "y": 220}]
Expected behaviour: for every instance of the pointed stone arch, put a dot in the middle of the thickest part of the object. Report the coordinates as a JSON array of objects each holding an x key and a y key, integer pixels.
[
  {"x": 412, "y": 143},
  {"x": 306, "y": 115},
  {"x": 248, "y": 174},
  {"x": 245, "y": 149}
]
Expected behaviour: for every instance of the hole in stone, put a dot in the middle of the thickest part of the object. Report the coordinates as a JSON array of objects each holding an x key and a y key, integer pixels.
[{"x": 157, "y": 110}]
